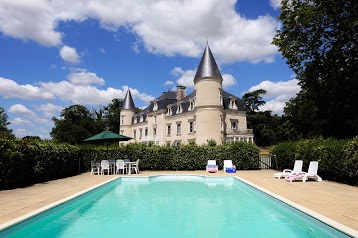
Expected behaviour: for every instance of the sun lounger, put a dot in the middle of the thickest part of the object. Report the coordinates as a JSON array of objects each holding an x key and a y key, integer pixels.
[{"x": 297, "y": 168}]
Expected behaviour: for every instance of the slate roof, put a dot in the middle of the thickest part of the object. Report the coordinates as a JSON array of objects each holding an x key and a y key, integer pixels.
[
  {"x": 128, "y": 102},
  {"x": 169, "y": 98},
  {"x": 207, "y": 67}
]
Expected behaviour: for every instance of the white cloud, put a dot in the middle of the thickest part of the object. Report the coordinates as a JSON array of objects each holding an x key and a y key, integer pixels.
[
  {"x": 22, "y": 133},
  {"x": 10, "y": 89},
  {"x": 67, "y": 91},
  {"x": 186, "y": 78},
  {"x": 49, "y": 110},
  {"x": 19, "y": 109},
  {"x": 161, "y": 27},
  {"x": 30, "y": 20},
  {"x": 103, "y": 50},
  {"x": 167, "y": 83},
  {"x": 228, "y": 80},
  {"x": 69, "y": 54},
  {"x": 19, "y": 121},
  {"x": 278, "y": 93},
  {"x": 275, "y": 4},
  {"x": 84, "y": 78}
]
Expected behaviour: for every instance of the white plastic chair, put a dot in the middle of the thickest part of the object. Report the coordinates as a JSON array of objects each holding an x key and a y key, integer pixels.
[
  {"x": 94, "y": 168},
  {"x": 104, "y": 166},
  {"x": 228, "y": 164},
  {"x": 297, "y": 168},
  {"x": 135, "y": 167},
  {"x": 120, "y": 165},
  {"x": 211, "y": 166}
]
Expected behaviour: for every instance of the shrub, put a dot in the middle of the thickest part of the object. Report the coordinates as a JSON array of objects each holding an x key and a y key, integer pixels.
[{"x": 337, "y": 158}]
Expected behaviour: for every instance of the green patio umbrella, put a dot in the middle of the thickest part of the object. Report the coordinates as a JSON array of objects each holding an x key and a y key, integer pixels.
[{"x": 107, "y": 137}]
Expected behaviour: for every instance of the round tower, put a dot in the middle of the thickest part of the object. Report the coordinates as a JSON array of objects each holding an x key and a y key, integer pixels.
[
  {"x": 208, "y": 100},
  {"x": 126, "y": 115}
]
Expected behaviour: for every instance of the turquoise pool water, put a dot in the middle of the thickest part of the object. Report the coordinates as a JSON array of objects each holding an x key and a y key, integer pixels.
[{"x": 173, "y": 206}]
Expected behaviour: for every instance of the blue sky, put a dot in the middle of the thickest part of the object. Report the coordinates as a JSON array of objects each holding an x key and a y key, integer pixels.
[{"x": 54, "y": 54}]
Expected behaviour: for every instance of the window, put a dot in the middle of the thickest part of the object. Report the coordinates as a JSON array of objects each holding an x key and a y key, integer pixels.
[
  {"x": 154, "y": 131},
  {"x": 179, "y": 109},
  {"x": 169, "y": 130},
  {"x": 221, "y": 125},
  {"x": 232, "y": 104},
  {"x": 122, "y": 120},
  {"x": 134, "y": 134},
  {"x": 135, "y": 119},
  {"x": 141, "y": 118},
  {"x": 155, "y": 106},
  {"x": 140, "y": 133},
  {"x": 191, "y": 127},
  {"x": 234, "y": 126},
  {"x": 122, "y": 132},
  {"x": 146, "y": 131},
  {"x": 155, "y": 120},
  {"x": 220, "y": 97},
  {"x": 169, "y": 112},
  {"x": 179, "y": 129}
]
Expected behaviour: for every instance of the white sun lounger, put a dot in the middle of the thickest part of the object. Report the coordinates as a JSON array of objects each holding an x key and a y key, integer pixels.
[{"x": 297, "y": 168}]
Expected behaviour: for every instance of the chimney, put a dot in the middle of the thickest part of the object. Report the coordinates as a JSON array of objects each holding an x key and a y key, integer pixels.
[{"x": 181, "y": 92}]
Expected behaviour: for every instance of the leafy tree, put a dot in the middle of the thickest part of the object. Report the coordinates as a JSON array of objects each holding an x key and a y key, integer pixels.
[
  {"x": 319, "y": 41},
  {"x": 31, "y": 138},
  {"x": 253, "y": 100},
  {"x": 112, "y": 115},
  {"x": 4, "y": 131},
  {"x": 75, "y": 124}
]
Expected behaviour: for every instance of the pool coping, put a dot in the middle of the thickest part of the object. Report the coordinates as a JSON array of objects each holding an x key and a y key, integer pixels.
[{"x": 336, "y": 225}]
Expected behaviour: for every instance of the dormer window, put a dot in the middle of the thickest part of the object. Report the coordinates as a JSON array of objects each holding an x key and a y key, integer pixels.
[
  {"x": 155, "y": 106},
  {"x": 232, "y": 104},
  {"x": 141, "y": 118},
  {"x": 179, "y": 109},
  {"x": 191, "y": 104},
  {"x": 135, "y": 119},
  {"x": 169, "y": 112}
]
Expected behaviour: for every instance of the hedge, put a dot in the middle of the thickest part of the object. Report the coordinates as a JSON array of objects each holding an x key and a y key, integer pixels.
[
  {"x": 185, "y": 157},
  {"x": 23, "y": 163},
  {"x": 337, "y": 159}
]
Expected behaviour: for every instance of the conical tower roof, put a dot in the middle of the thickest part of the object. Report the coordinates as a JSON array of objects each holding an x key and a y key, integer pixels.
[
  {"x": 128, "y": 103},
  {"x": 207, "y": 67}
]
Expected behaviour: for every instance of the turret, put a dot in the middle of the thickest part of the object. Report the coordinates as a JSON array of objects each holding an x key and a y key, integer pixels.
[
  {"x": 127, "y": 113},
  {"x": 208, "y": 101}
]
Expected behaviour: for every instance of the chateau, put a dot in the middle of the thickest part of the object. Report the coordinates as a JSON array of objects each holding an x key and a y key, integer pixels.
[{"x": 174, "y": 118}]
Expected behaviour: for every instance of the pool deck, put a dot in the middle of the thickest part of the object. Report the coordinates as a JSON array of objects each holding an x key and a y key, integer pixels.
[{"x": 336, "y": 201}]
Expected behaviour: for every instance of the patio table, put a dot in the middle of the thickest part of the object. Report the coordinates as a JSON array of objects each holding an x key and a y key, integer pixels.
[{"x": 129, "y": 164}]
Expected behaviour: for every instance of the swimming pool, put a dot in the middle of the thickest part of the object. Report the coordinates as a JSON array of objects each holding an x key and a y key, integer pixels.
[{"x": 173, "y": 206}]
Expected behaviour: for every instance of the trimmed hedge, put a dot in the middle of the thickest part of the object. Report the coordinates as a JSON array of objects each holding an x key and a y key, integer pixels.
[
  {"x": 185, "y": 157},
  {"x": 23, "y": 163},
  {"x": 338, "y": 159}
]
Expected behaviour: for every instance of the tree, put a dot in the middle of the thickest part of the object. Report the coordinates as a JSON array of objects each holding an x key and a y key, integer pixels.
[
  {"x": 112, "y": 115},
  {"x": 319, "y": 41},
  {"x": 252, "y": 100},
  {"x": 4, "y": 131},
  {"x": 75, "y": 124}
]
